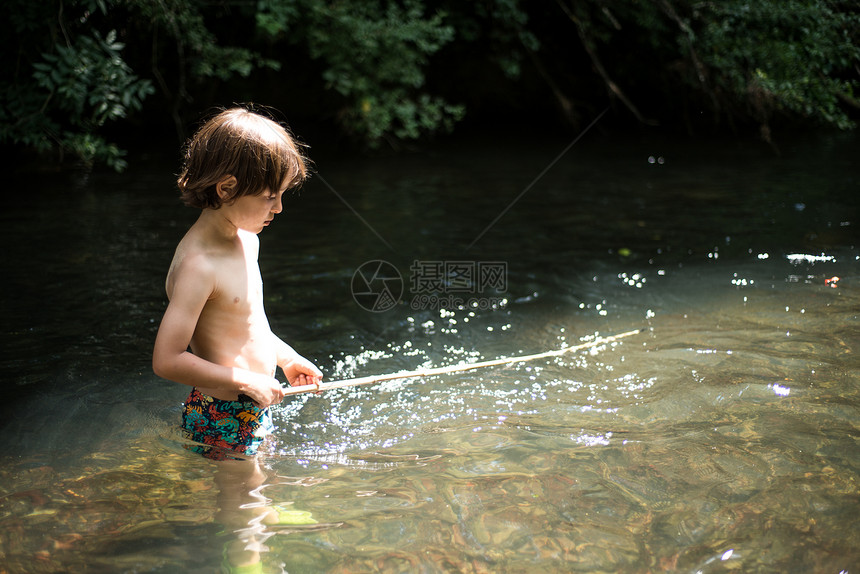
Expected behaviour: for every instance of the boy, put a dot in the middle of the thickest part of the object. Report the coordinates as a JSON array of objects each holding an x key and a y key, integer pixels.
[{"x": 215, "y": 336}]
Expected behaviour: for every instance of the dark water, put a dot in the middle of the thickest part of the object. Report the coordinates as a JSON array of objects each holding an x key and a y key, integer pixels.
[{"x": 723, "y": 437}]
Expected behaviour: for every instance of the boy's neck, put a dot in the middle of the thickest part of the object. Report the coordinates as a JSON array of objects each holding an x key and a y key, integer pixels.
[{"x": 217, "y": 224}]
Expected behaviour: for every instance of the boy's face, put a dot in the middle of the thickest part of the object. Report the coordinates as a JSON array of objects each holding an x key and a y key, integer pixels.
[{"x": 254, "y": 212}]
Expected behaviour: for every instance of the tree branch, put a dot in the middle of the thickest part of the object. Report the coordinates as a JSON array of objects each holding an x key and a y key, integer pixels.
[
  {"x": 563, "y": 101},
  {"x": 701, "y": 70},
  {"x": 598, "y": 66}
]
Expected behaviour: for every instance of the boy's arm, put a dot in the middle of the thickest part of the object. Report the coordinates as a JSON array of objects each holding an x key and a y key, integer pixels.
[
  {"x": 297, "y": 369},
  {"x": 171, "y": 359}
]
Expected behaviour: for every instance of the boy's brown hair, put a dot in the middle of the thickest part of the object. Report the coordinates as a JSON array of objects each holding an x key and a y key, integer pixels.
[{"x": 254, "y": 149}]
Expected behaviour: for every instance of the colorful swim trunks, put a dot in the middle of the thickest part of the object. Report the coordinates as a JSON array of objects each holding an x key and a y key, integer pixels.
[{"x": 222, "y": 428}]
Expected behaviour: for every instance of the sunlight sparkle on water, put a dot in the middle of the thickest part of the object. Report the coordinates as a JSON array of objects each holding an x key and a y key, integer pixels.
[
  {"x": 592, "y": 440},
  {"x": 802, "y": 257},
  {"x": 741, "y": 281},
  {"x": 635, "y": 280},
  {"x": 780, "y": 390}
]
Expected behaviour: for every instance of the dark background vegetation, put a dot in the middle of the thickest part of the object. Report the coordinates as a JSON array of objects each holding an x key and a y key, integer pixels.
[{"x": 84, "y": 80}]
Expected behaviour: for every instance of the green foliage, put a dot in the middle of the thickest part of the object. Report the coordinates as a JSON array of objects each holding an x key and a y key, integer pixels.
[
  {"x": 72, "y": 67},
  {"x": 60, "y": 93},
  {"x": 784, "y": 55},
  {"x": 67, "y": 76},
  {"x": 795, "y": 58},
  {"x": 90, "y": 83},
  {"x": 504, "y": 26},
  {"x": 373, "y": 54},
  {"x": 193, "y": 42}
]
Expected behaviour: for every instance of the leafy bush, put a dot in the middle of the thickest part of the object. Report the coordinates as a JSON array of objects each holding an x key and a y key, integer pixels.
[
  {"x": 91, "y": 84},
  {"x": 66, "y": 79},
  {"x": 59, "y": 97},
  {"x": 374, "y": 54},
  {"x": 754, "y": 60},
  {"x": 71, "y": 66},
  {"x": 784, "y": 55}
]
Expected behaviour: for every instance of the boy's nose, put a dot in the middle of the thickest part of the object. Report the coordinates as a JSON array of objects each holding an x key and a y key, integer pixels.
[{"x": 278, "y": 206}]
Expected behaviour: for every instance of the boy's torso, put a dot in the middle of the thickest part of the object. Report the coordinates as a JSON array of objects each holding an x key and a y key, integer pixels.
[{"x": 232, "y": 329}]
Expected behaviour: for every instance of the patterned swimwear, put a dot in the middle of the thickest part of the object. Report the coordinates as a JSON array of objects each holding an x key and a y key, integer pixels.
[{"x": 221, "y": 428}]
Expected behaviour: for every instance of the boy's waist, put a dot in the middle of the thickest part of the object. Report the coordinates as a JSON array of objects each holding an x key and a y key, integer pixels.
[{"x": 225, "y": 400}]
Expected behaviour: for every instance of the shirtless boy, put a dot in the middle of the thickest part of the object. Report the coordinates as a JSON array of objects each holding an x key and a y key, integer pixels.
[{"x": 215, "y": 336}]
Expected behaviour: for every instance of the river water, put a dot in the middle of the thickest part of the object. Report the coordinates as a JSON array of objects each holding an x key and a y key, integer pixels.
[{"x": 722, "y": 437}]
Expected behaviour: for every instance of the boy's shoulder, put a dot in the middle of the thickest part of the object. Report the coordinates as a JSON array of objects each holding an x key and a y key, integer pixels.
[
  {"x": 193, "y": 256},
  {"x": 190, "y": 264},
  {"x": 195, "y": 253}
]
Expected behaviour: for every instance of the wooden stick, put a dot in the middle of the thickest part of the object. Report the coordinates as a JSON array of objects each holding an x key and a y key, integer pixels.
[{"x": 451, "y": 368}]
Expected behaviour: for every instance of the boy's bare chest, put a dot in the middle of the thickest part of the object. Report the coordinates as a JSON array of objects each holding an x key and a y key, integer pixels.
[{"x": 239, "y": 288}]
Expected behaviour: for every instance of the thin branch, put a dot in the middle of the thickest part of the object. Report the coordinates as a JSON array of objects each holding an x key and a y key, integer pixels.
[
  {"x": 155, "y": 71},
  {"x": 701, "y": 70},
  {"x": 566, "y": 105},
  {"x": 598, "y": 66},
  {"x": 62, "y": 26},
  {"x": 610, "y": 17},
  {"x": 181, "y": 92},
  {"x": 453, "y": 368},
  {"x": 853, "y": 102}
]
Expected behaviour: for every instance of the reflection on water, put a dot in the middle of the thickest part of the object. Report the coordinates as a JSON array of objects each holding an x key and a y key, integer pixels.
[{"x": 723, "y": 437}]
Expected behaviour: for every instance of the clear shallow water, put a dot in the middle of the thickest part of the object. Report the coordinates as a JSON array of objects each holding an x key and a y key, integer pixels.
[{"x": 723, "y": 437}]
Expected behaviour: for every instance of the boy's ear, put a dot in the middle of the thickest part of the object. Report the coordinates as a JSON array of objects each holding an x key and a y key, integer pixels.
[{"x": 226, "y": 187}]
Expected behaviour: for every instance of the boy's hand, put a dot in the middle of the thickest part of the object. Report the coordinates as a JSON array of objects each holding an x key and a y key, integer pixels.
[
  {"x": 299, "y": 371},
  {"x": 264, "y": 391}
]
